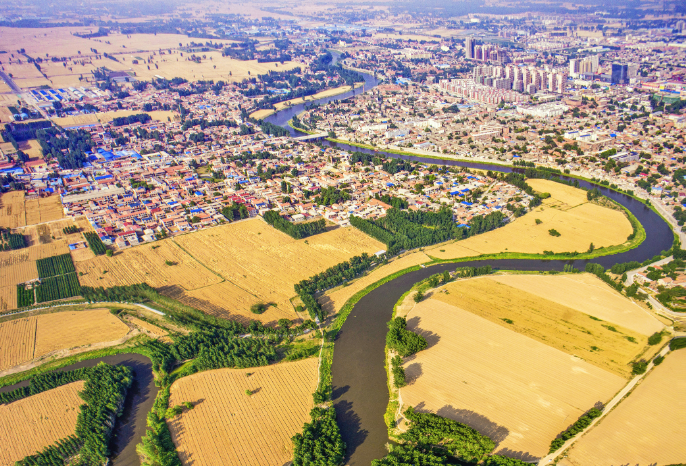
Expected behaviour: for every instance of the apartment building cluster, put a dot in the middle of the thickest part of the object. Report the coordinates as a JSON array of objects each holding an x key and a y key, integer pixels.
[
  {"x": 473, "y": 90},
  {"x": 484, "y": 52},
  {"x": 523, "y": 79}
]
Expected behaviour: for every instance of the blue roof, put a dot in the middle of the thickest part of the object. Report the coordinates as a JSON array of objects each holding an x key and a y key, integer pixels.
[
  {"x": 198, "y": 193},
  {"x": 466, "y": 203},
  {"x": 464, "y": 225},
  {"x": 195, "y": 211},
  {"x": 389, "y": 184}
]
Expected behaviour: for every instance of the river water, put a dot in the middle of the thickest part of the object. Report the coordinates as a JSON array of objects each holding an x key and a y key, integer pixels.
[
  {"x": 360, "y": 391},
  {"x": 131, "y": 426}
]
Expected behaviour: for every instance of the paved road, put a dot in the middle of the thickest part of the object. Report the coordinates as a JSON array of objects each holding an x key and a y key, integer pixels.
[
  {"x": 10, "y": 82},
  {"x": 630, "y": 275},
  {"x": 608, "y": 407}
]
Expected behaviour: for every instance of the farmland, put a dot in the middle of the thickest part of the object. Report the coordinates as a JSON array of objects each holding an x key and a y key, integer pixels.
[
  {"x": 264, "y": 113},
  {"x": 146, "y": 263},
  {"x": 275, "y": 262},
  {"x": 27, "y": 338},
  {"x": 605, "y": 345},
  {"x": 646, "y": 428},
  {"x": 228, "y": 426},
  {"x": 334, "y": 299},
  {"x": 17, "y": 211},
  {"x": 578, "y": 221},
  {"x": 588, "y": 294},
  {"x": 106, "y": 117},
  {"x": 17, "y": 341},
  {"x": 514, "y": 389},
  {"x": 125, "y": 48},
  {"x": 8, "y": 297},
  {"x": 12, "y": 209},
  {"x": 29, "y": 425},
  {"x": 152, "y": 329}
]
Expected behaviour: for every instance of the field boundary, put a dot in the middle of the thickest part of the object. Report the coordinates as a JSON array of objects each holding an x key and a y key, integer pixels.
[{"x": 609, "y": 407}]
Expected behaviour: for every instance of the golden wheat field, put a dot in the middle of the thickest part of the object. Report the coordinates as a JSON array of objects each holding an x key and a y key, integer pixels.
[
  {"x": 333, "y": 300},
  {"x": 31, "y": 424},
  {"x": 213, "y": 67},
  {"x": 588, "y": 294},
  {"x": 579, "y": 223},
  {"x": 228, "y": 426},
  {"x": 17, "y": 341},
  {"x": 158, "y": 264},
  {"x": 62, "y": 330},
  {"x": 106, "y": 117},
  {"x": 43, "y": 209},
  {"x": 17, "y": 211},
  {"x": 516, "y": 390},
  {"x": 31, "y": 148},
  {"x": 20, "y": 264},
  {"x": 14, "y": 271},
  {"x": 226, "y": 299},
  {"x": 59, "y": 41},
  {"x": 646, "y": 428},
  {"x": 5, "y": 114},
  {"x": 609, "y": 346},
  {"x": 8, "y": 297},
  {"x": 12, "y": 209},
  {"x": 22, "y": 340},
  {"x": 151, "y": 329},
  {"x": 264, "y": 262}
]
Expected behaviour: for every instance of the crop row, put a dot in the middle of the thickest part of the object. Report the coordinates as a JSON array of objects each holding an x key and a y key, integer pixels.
[
  {"x": 12, "y": 241},
  {"x": 59, "y": 287},
  {"x": 95, "y": 243},
  {"x": 55, "y": 265},
  {"x": 24, "y": 297}
]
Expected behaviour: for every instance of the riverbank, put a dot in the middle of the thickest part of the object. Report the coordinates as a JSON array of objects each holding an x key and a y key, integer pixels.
[{"x": 264, "y": 113}]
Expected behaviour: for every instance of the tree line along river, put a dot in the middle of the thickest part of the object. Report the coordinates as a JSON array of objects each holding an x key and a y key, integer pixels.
[{"x": 360, "y": 391}]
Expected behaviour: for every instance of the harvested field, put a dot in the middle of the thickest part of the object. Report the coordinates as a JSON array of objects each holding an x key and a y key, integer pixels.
[
  {"x": 106, "y": 117},
  {"x": 31, "y": 424},
  {"x": 59, "y": 41},
  {"x": 13, "y": 273},
  {"x": 227, "y": 426},
  {"x": 334, "y": 299},
  {"x": 18, "y": 211},
  {"x": 61, "y": 330},
  {"x": 154, "y": 330},
  {"x": 34, "y": 252},
  {"x": 31, "y": 148},
  {"x": 514, "y": 389},
  {"x": 32, "y": 337},
  {"x": 210, "y": 300},
  {"x": 548, "y": 322},
  {"x": 8, "y": 297},
  {"x": 647, "y": 428},
  {"x": 213, "y": 67},
  {"x": 12, "y": 209},
  {"x": 44, "y": 209},
  {"x": 588, "y": 294},
  {"x": 264, "y": 113},
  {"x": 5, "y": 114},
  {"x": 146, "y": 263},
  {"x": 275, "y": 261},
  {"x": 579, "y": 223},
  {"x": 17, "y": 341}
]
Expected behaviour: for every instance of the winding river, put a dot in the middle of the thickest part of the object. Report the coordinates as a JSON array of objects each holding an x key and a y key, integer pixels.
[
  {"x": 131, "y": 426},
  {"x": 360, "y": 392}
]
